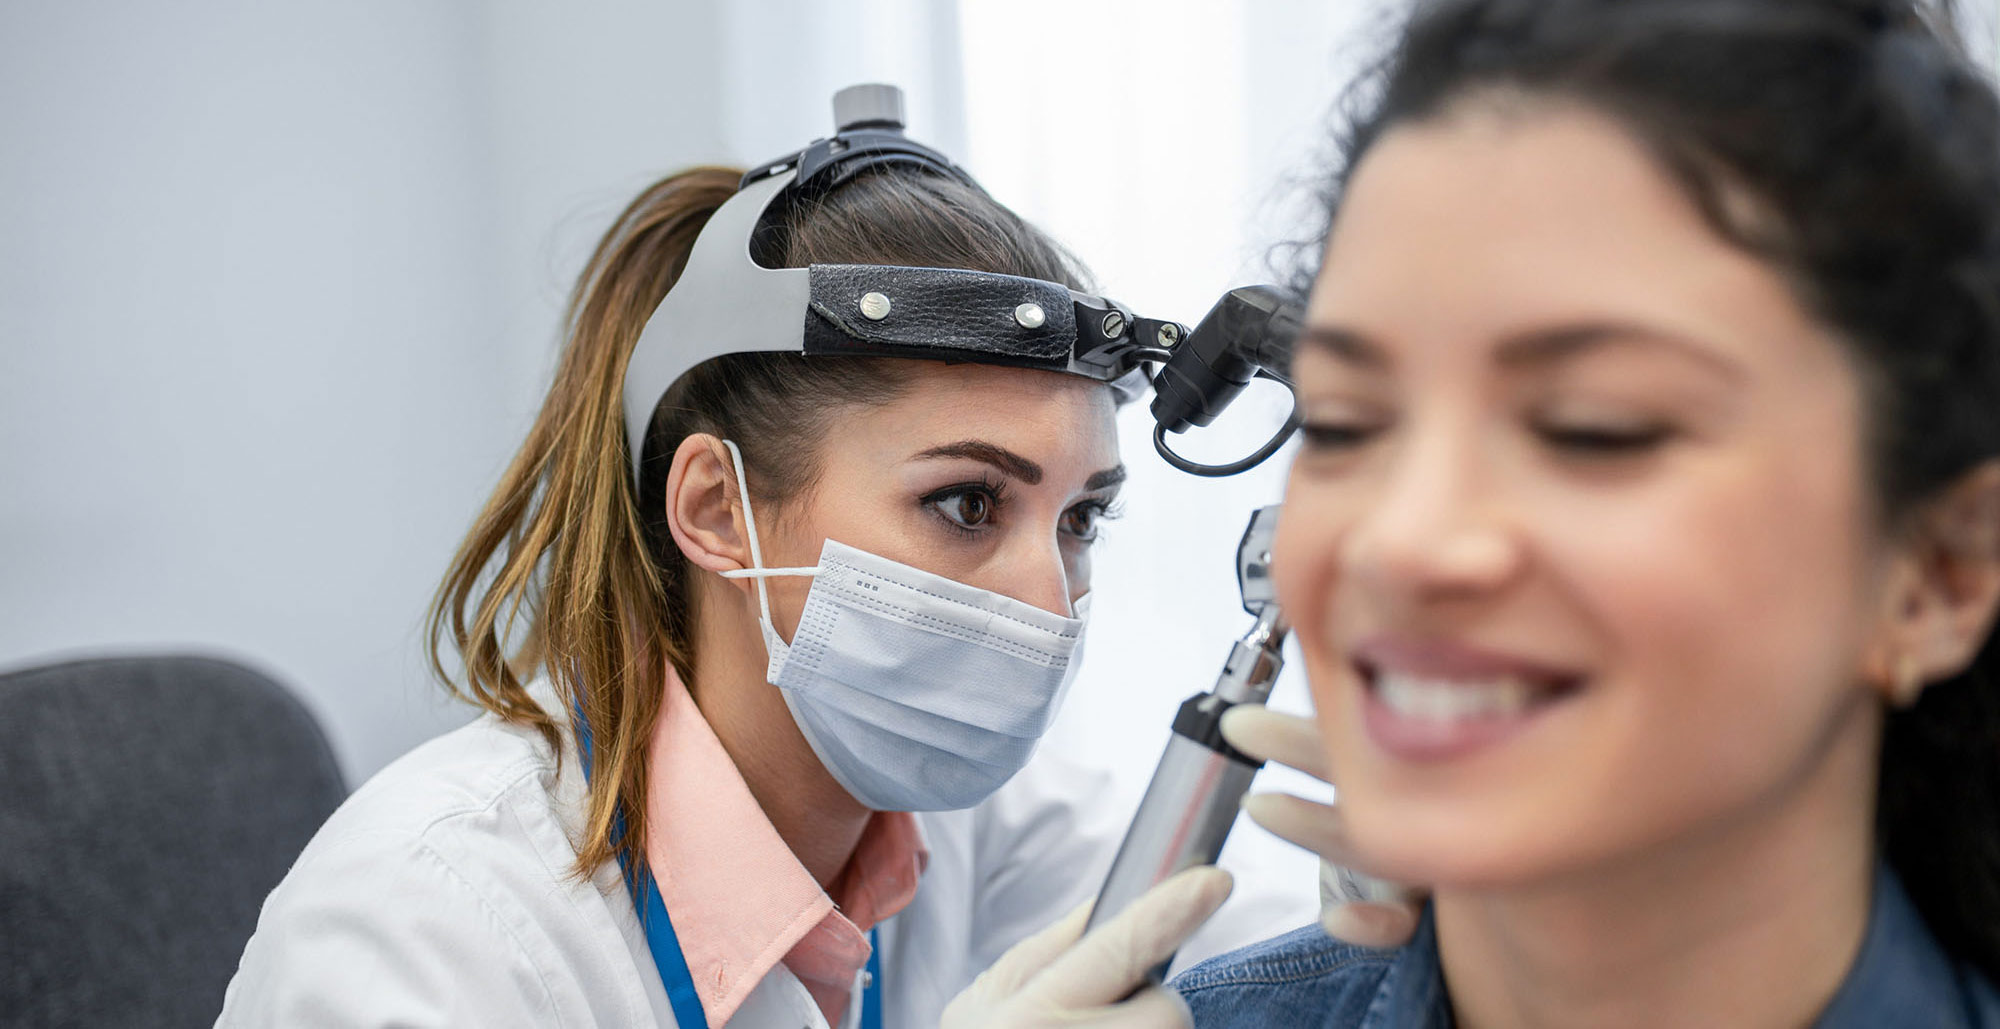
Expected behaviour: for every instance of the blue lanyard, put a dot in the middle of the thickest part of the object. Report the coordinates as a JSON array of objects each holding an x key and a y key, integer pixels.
[{"x": 666, "y": 946}]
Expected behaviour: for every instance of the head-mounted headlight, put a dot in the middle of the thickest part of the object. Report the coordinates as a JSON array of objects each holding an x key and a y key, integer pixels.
[{"x": 727, "y": 303}]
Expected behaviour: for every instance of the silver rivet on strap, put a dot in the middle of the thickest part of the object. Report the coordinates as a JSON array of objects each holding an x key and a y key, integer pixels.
[
  {"x": 1114, "y": 325},
  {"x": 1030, "y": 316},
  {"x": 874, "y": 306}
]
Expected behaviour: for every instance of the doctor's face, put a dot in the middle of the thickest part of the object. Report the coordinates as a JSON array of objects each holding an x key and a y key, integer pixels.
[
  {"x": 1578, "y": 547},
  {"x": 994, "y": 477}
]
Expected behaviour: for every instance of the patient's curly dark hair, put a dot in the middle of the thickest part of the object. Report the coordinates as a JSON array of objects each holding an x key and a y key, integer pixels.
[{"x": 1869, "y": 147}]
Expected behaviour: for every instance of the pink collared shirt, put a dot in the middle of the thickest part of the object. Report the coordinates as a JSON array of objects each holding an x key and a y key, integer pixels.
[{"x": 740, "y": 901}]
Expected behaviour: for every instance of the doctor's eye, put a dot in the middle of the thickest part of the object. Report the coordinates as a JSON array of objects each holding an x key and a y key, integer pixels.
[
  {"x": 966, "y": 507},
  {"x": 1082, "y": 520}
]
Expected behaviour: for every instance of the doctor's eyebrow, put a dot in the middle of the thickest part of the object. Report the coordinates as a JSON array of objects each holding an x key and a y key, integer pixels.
[
  {"x": 1014, "y": 464},
  {"x": 979, "y": 450}
]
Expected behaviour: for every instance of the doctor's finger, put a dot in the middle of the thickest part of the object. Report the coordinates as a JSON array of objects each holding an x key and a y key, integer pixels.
[
  {"x": 1113, "y": 958},
  {"x": 1316, "y": 827},
  {"x": 1154, "y": 1007},
  {"x": 1372, "y": 923},
  {"x": 1031, "y": 955},
  {"x": 1275, "y": 736}
]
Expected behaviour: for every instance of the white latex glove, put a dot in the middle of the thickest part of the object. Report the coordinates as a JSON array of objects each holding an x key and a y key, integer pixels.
[
  {"x": 1054, "y": 979},
  {"x": 1354, "y": 906}
]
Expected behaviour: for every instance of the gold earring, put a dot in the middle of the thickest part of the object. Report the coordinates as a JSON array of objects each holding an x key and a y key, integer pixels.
[{"x": 1908, "y": 683}]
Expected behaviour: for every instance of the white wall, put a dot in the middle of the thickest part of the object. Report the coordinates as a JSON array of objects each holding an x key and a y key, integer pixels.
[
  {"x": 248, "y": 367},
  {"x": 280, "y": 287},
  {"x": 277, "y": 292}
]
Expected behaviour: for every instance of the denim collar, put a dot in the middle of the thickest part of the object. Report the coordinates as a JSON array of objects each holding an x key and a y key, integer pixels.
[
  {"x": 1412, "y": 995},
  {"x": 1900, "y": 977}
]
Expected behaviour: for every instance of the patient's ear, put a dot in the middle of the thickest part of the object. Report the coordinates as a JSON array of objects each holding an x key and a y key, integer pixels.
[
  {"x": 704, "y": 508},
  {"x": 1943, "y": 588}
]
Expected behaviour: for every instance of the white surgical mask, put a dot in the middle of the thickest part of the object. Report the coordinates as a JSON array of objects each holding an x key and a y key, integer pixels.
[{"x": 918, "y": 693}]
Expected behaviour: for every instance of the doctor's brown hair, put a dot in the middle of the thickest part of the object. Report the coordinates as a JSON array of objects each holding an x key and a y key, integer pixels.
[
  {"x": 1869, "y": 148},
  {"x": 570, "y": 570}
]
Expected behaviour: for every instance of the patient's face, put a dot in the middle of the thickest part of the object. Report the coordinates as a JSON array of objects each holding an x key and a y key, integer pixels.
[{"x": 1578, "y": 546}]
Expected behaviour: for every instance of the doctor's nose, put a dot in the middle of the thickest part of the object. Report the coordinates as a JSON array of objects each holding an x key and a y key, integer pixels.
[{"x": 1034, "y": 571}]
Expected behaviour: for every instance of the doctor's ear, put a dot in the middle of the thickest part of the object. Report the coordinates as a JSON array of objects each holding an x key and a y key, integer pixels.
[
  {"x": 1943, "y": 588},
  {"x": 704, "y": 507}
]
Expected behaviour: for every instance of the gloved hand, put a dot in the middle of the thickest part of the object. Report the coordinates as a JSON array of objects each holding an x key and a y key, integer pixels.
[
  {"x": 1354, "y": 907},
  {"x": 1054, "y": 979}
]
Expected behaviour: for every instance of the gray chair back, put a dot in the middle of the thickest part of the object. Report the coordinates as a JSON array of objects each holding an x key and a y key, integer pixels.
[{"x": 147, "y": 806}]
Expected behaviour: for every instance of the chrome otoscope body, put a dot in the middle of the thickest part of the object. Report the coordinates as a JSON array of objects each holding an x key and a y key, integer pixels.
[{"x": 1188, "y": 808}]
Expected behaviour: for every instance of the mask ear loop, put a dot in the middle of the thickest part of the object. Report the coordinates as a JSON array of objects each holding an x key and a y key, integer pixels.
[{"x": 756, "y": 570}]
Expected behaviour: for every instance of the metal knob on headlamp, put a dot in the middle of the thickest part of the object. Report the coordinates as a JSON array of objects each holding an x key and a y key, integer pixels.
[{"x": 1247, "y": 335}]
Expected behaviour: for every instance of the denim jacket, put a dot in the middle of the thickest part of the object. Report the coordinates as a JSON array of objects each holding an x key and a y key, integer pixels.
[{"x": 1901, "y": 977}]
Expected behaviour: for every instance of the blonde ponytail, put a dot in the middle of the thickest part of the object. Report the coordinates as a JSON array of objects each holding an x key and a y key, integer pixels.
[{"x": 562, "y": 533}]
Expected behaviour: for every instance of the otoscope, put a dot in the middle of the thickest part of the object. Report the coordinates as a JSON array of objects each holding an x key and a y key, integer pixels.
[
  {"x": 1192, "y": 801},
  {"x": 1200, "y": 782}
]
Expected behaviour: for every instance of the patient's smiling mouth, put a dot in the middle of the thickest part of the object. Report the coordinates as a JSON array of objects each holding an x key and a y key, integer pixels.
[{"x": 1431, "y": 700}]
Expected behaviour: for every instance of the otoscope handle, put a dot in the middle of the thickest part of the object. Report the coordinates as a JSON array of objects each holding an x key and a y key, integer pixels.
[{"x": 1185, "y": 816}]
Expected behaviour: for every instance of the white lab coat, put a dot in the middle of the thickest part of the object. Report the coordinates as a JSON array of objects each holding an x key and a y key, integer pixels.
[{"x": 442, "y": 894}]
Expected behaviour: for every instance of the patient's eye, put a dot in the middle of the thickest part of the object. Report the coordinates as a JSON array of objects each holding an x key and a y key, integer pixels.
[
  {"x": 1602, "y": 439},
  {"x": 1335, "y": 435}
]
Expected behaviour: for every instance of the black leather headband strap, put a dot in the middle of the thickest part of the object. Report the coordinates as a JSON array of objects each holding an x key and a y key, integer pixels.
[{"x": 941, "y": 314}]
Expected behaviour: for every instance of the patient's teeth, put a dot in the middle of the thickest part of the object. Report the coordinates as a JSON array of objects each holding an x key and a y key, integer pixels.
[{"x": 1439, "y": 700}]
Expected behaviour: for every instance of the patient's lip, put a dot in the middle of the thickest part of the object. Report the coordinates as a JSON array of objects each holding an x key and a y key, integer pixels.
[
  {"x": 1430, "y": 701},
  {"x": 1433, "y": 658}
]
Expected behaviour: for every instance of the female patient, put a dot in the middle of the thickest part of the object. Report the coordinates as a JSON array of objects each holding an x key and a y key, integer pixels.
[
  {"x": 1645, "y": 542},
  {"x": 764, "y": 837}
]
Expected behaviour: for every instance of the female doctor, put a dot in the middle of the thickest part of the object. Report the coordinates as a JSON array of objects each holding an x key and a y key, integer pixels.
[{"x": 762, "y": 640}]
